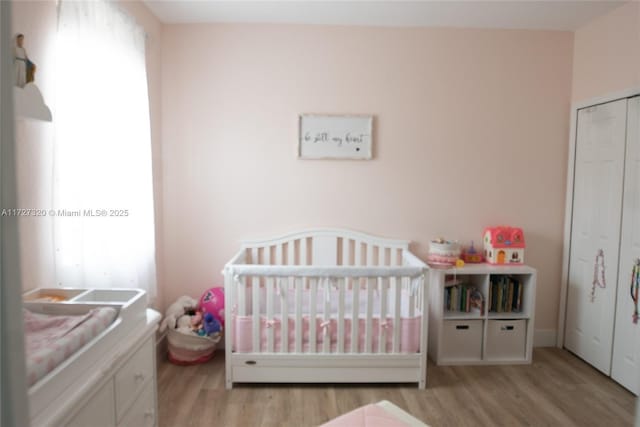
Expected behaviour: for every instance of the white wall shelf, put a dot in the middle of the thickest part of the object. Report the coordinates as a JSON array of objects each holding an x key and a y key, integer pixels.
[
  {"x": 481, "y": 338},
  {"x": 29, "y": 103}
]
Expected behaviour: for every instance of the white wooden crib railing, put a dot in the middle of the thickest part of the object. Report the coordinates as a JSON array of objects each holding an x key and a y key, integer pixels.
[{"x": 334, "y": 306}]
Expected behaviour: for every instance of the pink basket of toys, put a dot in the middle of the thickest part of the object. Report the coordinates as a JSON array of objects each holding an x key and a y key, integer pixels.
[
  {"x": 194, "y": 327},
  {"x": 185, "y": 349}
]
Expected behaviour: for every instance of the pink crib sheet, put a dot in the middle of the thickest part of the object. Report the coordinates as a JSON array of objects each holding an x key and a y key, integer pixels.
[{"x": 49, "y": 340}]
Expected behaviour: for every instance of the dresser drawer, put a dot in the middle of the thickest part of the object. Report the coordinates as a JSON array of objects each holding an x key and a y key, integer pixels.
[
  {"x": 132, "y": 377},
  {"x": 143, "y": 411},
  {"x": 98, "y": 411}
]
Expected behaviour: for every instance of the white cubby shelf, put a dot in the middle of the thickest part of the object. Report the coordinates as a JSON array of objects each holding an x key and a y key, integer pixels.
[{"x": 461, "y": 336}]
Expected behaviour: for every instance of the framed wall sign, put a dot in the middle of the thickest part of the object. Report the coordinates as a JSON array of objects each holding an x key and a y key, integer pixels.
[{"x": 335, "y": 137}]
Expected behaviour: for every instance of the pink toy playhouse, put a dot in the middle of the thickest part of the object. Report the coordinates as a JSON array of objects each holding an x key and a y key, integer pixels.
[{"x": 504, "y": 245}]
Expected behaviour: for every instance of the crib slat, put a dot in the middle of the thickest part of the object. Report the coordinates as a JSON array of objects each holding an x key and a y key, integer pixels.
[
  {"x": 381, "y": 256},
  {"x": 302, "y": 256},
  {"x": 313, "y": 338},
  {"x": 369, "y": 249},
  {"x": 290, "y": 253},
  {"x": 357, "y": 259},
  {"x": 242, "y": 300},
  {"x": 382, "y": 341},
  {"x": 270, "y": 316},
  {"x": 298, "y": 325},
  {"x": 369, "y": 325},
  {"x": 255, "y": 282},
  {"x": 229, "y": 289},
  {"x": 420, "y": 290},
  {"x": 355, "y": 292},
  {"x": 326, "y": 332},
  {"x": 266, "y": 255},
  {"x": 393, "y": 257},
  {"x": 254, "y": 256},
  {"x": 284, "y": 301},
  {"x": 412, "y": 298},
  {"x": 345, "y": 251},
  {"x": 396, "y": 315},
  {"x": 279, "y": 251},
  {"x": 342, "y": 284}
]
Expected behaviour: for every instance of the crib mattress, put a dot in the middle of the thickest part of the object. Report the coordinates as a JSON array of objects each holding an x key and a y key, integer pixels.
[{"x": 51, "y": 339}]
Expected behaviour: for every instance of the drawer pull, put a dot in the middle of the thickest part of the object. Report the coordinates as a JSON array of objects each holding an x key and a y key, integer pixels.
[
  {"x": 506, "y": 328},
  {"x": 462, "y": 326},
  {"x": 138, "y": 376},
  {"x": 250, "y": 362},
  {"x": 148, "y": 413}
]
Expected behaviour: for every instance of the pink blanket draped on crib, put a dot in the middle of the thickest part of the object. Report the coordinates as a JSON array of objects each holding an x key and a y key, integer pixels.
[{"x": 51, "y": 339}]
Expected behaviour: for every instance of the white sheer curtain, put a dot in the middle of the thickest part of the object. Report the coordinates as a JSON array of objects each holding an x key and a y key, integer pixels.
[{"x": 102, "y": 160}]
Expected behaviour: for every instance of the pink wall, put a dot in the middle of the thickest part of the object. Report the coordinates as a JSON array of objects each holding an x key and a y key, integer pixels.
[
  {"x": 471, "y": 130},
  {"x": 38, "y": 21},
  {"x": 606, "y": 57}
]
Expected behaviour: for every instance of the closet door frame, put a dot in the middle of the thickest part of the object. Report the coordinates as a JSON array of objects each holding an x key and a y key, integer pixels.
[{"x": 568, "y": 216}]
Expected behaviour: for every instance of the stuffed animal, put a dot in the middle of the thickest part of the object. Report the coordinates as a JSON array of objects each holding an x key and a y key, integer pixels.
[
  {"x": 183, "y": 324},
  {"x": 175, "y": 311},
  {"x": 212, "y": 326},
  {"x": 196, "y": 321}
]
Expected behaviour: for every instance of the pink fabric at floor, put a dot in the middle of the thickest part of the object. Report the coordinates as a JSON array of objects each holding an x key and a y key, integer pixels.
[{"x": 367, "y": 416}]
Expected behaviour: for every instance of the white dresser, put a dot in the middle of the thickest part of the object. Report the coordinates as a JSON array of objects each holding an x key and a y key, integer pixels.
[{"x": 120, "y": 390}]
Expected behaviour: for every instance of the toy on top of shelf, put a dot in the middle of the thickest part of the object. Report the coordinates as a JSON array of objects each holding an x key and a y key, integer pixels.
[
  {"x": 443, "y": 253},
  {"x": 504, "y": 245},
  {"x": 472, "y": 256}
]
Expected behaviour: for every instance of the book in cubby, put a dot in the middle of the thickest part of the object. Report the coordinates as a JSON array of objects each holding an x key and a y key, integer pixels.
[
  {"x": 461, "y": 297},
  {"x": 505, "y": 294}
]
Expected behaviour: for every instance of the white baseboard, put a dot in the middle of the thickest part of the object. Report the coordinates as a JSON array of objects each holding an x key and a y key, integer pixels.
[{"x": 544, "y": 338}]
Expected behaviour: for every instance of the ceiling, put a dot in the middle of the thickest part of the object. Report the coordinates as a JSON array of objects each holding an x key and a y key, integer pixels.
[{"x": 513, "y": 14}]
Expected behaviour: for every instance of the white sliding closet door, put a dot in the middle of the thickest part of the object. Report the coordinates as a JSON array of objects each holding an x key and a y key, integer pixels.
[
  {"x": 597, "y": 205},
  {"x": 625, "y": 368}
]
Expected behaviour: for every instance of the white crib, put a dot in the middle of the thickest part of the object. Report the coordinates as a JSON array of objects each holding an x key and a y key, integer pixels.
[{"x": 326, "y": 305}]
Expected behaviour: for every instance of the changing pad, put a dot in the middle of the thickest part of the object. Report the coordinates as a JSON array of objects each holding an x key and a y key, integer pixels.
[{"x": 51, "y": 339}]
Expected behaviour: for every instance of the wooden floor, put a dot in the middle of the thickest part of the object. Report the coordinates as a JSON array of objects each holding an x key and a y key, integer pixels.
[{"x": 558, "y": 389}]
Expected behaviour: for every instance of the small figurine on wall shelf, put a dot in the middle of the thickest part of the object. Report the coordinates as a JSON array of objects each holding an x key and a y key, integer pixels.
[{"x": 24, "y": 69}]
